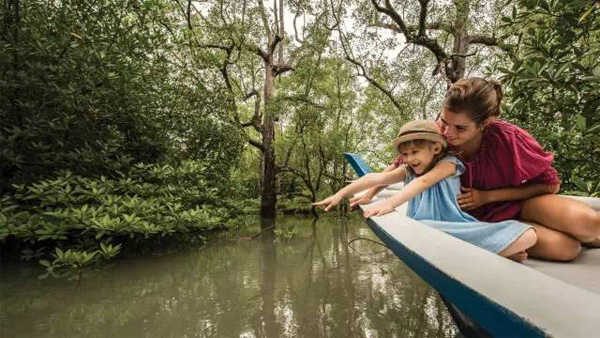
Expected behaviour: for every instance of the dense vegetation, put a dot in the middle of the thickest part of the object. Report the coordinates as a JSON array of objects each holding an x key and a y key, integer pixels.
[
  {"x": 123, "y": 121},
  {"x": 553, "y": 77}
]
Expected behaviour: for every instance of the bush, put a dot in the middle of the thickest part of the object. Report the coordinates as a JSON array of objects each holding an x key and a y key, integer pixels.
[
  {"x": 79, "y": 220},
  {"x": 553, "y": 84}
]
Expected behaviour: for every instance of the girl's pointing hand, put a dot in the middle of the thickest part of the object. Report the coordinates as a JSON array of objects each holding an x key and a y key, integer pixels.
[
  {"x": 356, "y": 201},
  {"x": 378, "y": 210},
  {"x": 329, "y": 202}
]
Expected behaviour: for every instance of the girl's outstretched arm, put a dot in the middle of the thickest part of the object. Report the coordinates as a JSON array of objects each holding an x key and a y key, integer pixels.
[
  {"x": 367, "y": 197},
  {"x": 365, "y": 182},
  {"x": 416, "y": 186}
]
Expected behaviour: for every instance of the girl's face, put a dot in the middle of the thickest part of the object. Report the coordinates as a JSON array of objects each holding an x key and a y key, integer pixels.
[
  {"x": 458, "y": 128},
  {"x": 419, "y": 158}
]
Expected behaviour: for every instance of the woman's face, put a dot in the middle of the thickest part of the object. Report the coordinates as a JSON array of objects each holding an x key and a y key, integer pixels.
[{"x": 458, "y": 128}]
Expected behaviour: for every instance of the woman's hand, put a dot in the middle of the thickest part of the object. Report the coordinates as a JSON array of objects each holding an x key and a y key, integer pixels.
[
  {"x": 472, "y": 198},
  {"x": 378, "y": 210},
  {"x": 329, "y": 203},
  {"x": 358, "y": 200}
]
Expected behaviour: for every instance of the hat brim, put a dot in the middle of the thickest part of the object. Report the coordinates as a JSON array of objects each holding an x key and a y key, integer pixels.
[{"x": 420, "y": 136}]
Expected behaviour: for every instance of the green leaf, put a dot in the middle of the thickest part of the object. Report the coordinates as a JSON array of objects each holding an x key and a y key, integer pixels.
[
  {"x": 580, "y": 122},
  {"x": 561, "y": 69},
  {"x": 581, "y": 184},
  {"x": 594, "y": 128},
  {"x": 585, "y": 15}
]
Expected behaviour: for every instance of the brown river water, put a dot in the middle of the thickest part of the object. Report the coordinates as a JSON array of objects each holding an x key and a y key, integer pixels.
[{"x": 300, "y": 280}]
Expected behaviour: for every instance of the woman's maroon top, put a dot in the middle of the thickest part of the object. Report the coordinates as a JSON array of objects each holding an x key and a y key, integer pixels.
[{"x": 508, "y": 157}]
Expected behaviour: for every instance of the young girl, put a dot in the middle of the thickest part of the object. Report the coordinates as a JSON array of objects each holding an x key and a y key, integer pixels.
[{"x": 432, "y": 182}]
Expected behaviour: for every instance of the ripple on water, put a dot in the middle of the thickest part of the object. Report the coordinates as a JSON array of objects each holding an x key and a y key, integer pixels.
[{"x": 300, "y": 280}]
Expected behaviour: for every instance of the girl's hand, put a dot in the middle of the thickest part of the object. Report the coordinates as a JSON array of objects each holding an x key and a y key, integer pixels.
[
  {"x": 329, "y": 202},
  {"x": 472, "y": 198},
  {"x": 378, "y": 210},
  {"x": 358, "y": 200}
]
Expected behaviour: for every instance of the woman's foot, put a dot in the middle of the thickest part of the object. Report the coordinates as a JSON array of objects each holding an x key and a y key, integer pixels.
[{"x": 518, "y": 257}]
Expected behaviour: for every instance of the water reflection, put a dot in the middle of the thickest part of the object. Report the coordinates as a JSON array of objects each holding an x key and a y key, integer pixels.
[{"x": 299, "y": 278}]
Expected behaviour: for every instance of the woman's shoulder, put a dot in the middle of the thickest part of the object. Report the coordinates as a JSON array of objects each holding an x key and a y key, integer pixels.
[
  {"x": 501, "y": 128},
  {"x": 504, "y": 140}
]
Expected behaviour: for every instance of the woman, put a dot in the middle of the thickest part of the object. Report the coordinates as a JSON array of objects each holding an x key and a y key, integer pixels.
[{"x": 508, "y": 175}]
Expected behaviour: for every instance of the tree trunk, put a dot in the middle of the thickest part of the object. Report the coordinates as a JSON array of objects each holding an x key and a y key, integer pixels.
[
  {"x": 268, "y": 202},
  {"x": 461, "y": 40}
]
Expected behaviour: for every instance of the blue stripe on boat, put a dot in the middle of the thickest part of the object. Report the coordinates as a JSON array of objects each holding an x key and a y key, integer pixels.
[{"x": 358, "y": 164}]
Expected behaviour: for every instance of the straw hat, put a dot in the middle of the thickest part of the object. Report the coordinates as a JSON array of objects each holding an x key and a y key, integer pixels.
[{"x": 420, "y": 130}]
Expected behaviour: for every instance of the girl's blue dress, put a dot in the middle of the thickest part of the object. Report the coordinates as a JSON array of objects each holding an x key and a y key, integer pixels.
[{"x": 438, "y": 208}]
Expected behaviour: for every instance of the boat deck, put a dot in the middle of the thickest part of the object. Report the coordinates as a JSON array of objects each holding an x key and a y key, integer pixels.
[
  {"x": 506, "y": 298},
  {"x": 584, "y": 272}
]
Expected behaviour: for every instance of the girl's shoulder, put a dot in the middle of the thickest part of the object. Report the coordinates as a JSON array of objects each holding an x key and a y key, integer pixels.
[
  {"x": 460, "y": 167},
  {"x": 450, "y": 158}
]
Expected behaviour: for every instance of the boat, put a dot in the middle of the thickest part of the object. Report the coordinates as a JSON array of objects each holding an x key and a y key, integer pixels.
[{"x": 489, "y": 295}]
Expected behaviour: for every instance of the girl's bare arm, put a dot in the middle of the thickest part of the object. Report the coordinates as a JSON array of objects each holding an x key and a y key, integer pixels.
[
  {"x": 375, "y": 190},
  {"x": 363, "y": 183},
  {"x": 439, "y": 172}
]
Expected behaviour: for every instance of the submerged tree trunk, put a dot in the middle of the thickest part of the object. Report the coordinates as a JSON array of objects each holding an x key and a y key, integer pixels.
[{"x": 268, "y": 203}]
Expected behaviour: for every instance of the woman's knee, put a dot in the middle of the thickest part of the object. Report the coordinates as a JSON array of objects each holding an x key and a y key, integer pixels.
[
  {"x": 588, "y": 224},
  {"x": 556, "y": 247},
  {"x": 567, "y": 250}
]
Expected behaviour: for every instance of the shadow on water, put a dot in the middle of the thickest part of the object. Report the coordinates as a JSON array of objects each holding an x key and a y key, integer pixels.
[{"x": 299, "y": 277}]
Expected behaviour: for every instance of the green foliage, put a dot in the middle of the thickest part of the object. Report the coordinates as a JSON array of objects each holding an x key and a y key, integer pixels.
[
  {"x": 89, "y": 89},
  {"x": 93, "y": 87},
  {"x": 553, "y": 84},
  {"x": 82, "y": 220},
  {"x": 321, "y": 123}
]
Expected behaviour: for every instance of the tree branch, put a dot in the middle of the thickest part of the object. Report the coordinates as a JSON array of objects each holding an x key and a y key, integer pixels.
[
  {"x": 263, "y": 17},
  {"x": 374, "y": 82},
  {"x": 296, "y": 172},
  {"x": 256, "y": 144},
  {"x": 442, "y": 26},
  {"x": 364, "y": 74},
  {"x": 422, "y": 17},
  {"x": 463, "y": 55},
  {"x": 278, "y": 38},
  {"x": 280, "y": 69},
  {"x": 255, "y": 119},
  {"x": 419, "y": 39},
  {"x": 488, "y": 41}
]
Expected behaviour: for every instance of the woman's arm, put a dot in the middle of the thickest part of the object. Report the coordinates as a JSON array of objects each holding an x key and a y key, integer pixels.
[
  {"x": 439, "y": 172},
  {"x": 474, "y": 198},
  {"x": 365, "y": 182}
]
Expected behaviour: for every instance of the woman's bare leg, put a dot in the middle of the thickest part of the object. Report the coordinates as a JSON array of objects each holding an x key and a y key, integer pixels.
[
  {"x": 516, "y": 250},
  {"x": 563, "y": 214},
  {"x": 554, "y": 245}
]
